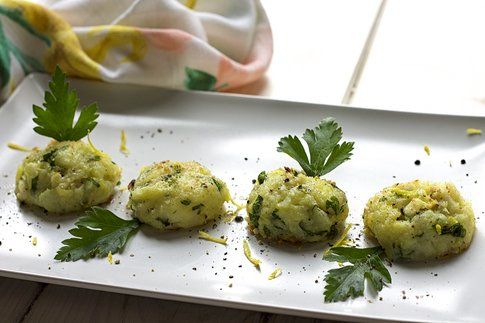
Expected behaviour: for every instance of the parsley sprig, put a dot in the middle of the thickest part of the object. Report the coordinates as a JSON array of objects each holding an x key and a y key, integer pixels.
[
  {"x": 97, "y": 233},
  {"x": 348, "y": 281},
  {"x": 56, "y": 119},
  {"x": 323, "y": 144}
]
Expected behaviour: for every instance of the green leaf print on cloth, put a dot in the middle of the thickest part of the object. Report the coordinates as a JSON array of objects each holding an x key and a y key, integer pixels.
[
  {"x": 16, "y": 16},
  {"x": 28, "y": 63},
  {"x": 4, "y": 59},
  {"x": 200, "y": 81}
]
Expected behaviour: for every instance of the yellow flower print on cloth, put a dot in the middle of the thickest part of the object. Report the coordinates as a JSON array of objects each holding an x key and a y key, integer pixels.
[
  {"x": 185, "y": 44},
  {"x": 126, "y": 39},
  {"x": 59, "y": 44}
]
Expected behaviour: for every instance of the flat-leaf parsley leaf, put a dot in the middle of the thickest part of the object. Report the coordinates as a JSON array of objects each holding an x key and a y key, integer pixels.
[
  {"x": 97, "y": 233},
  {"x": 56, "y": 119},
  {"x": 348, "y": 281},
  {"x": 323, "y": 144}
]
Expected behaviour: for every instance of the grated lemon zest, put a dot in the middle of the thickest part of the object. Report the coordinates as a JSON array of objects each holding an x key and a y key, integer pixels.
[
  {"x": 438, "y": 228},
  {"x": 14, "y": 146},
  {"x": 92, "y": 146},
  {"x": 123, "y": 147},
  {"x": 238, "y": 206},
  {"x": 232, "y": 215},
  {"x": 341, "y": 241},
  {"x": 34, "y": 241},
  {"x": 275, "y": 274},
  {"x": 415, "y": 194},
  {"x": 426, "y": 149},
  {"x": 247, "y": 253},
  {"x": 473, "y": 131},
  {"x": 110, "y": 258},
  {"x": 205, "y": 236}
]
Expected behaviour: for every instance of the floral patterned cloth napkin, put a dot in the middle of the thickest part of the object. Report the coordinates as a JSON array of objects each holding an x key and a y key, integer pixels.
[{"x": 193, "y": 44}]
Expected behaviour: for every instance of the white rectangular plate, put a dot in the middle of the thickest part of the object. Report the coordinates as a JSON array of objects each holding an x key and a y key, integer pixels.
[{"x": 236, "y": 138}]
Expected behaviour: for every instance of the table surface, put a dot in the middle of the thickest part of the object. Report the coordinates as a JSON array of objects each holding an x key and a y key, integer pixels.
[{"x": 407, "y": 55}]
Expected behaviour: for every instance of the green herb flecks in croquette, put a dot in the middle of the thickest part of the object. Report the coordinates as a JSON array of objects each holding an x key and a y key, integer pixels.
[
  {"x": 420, "y": 220},
  {"x": 172, "y": 195},
  {"x": 286, "y": 204},
  {"x": 69, "y": 175}
]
